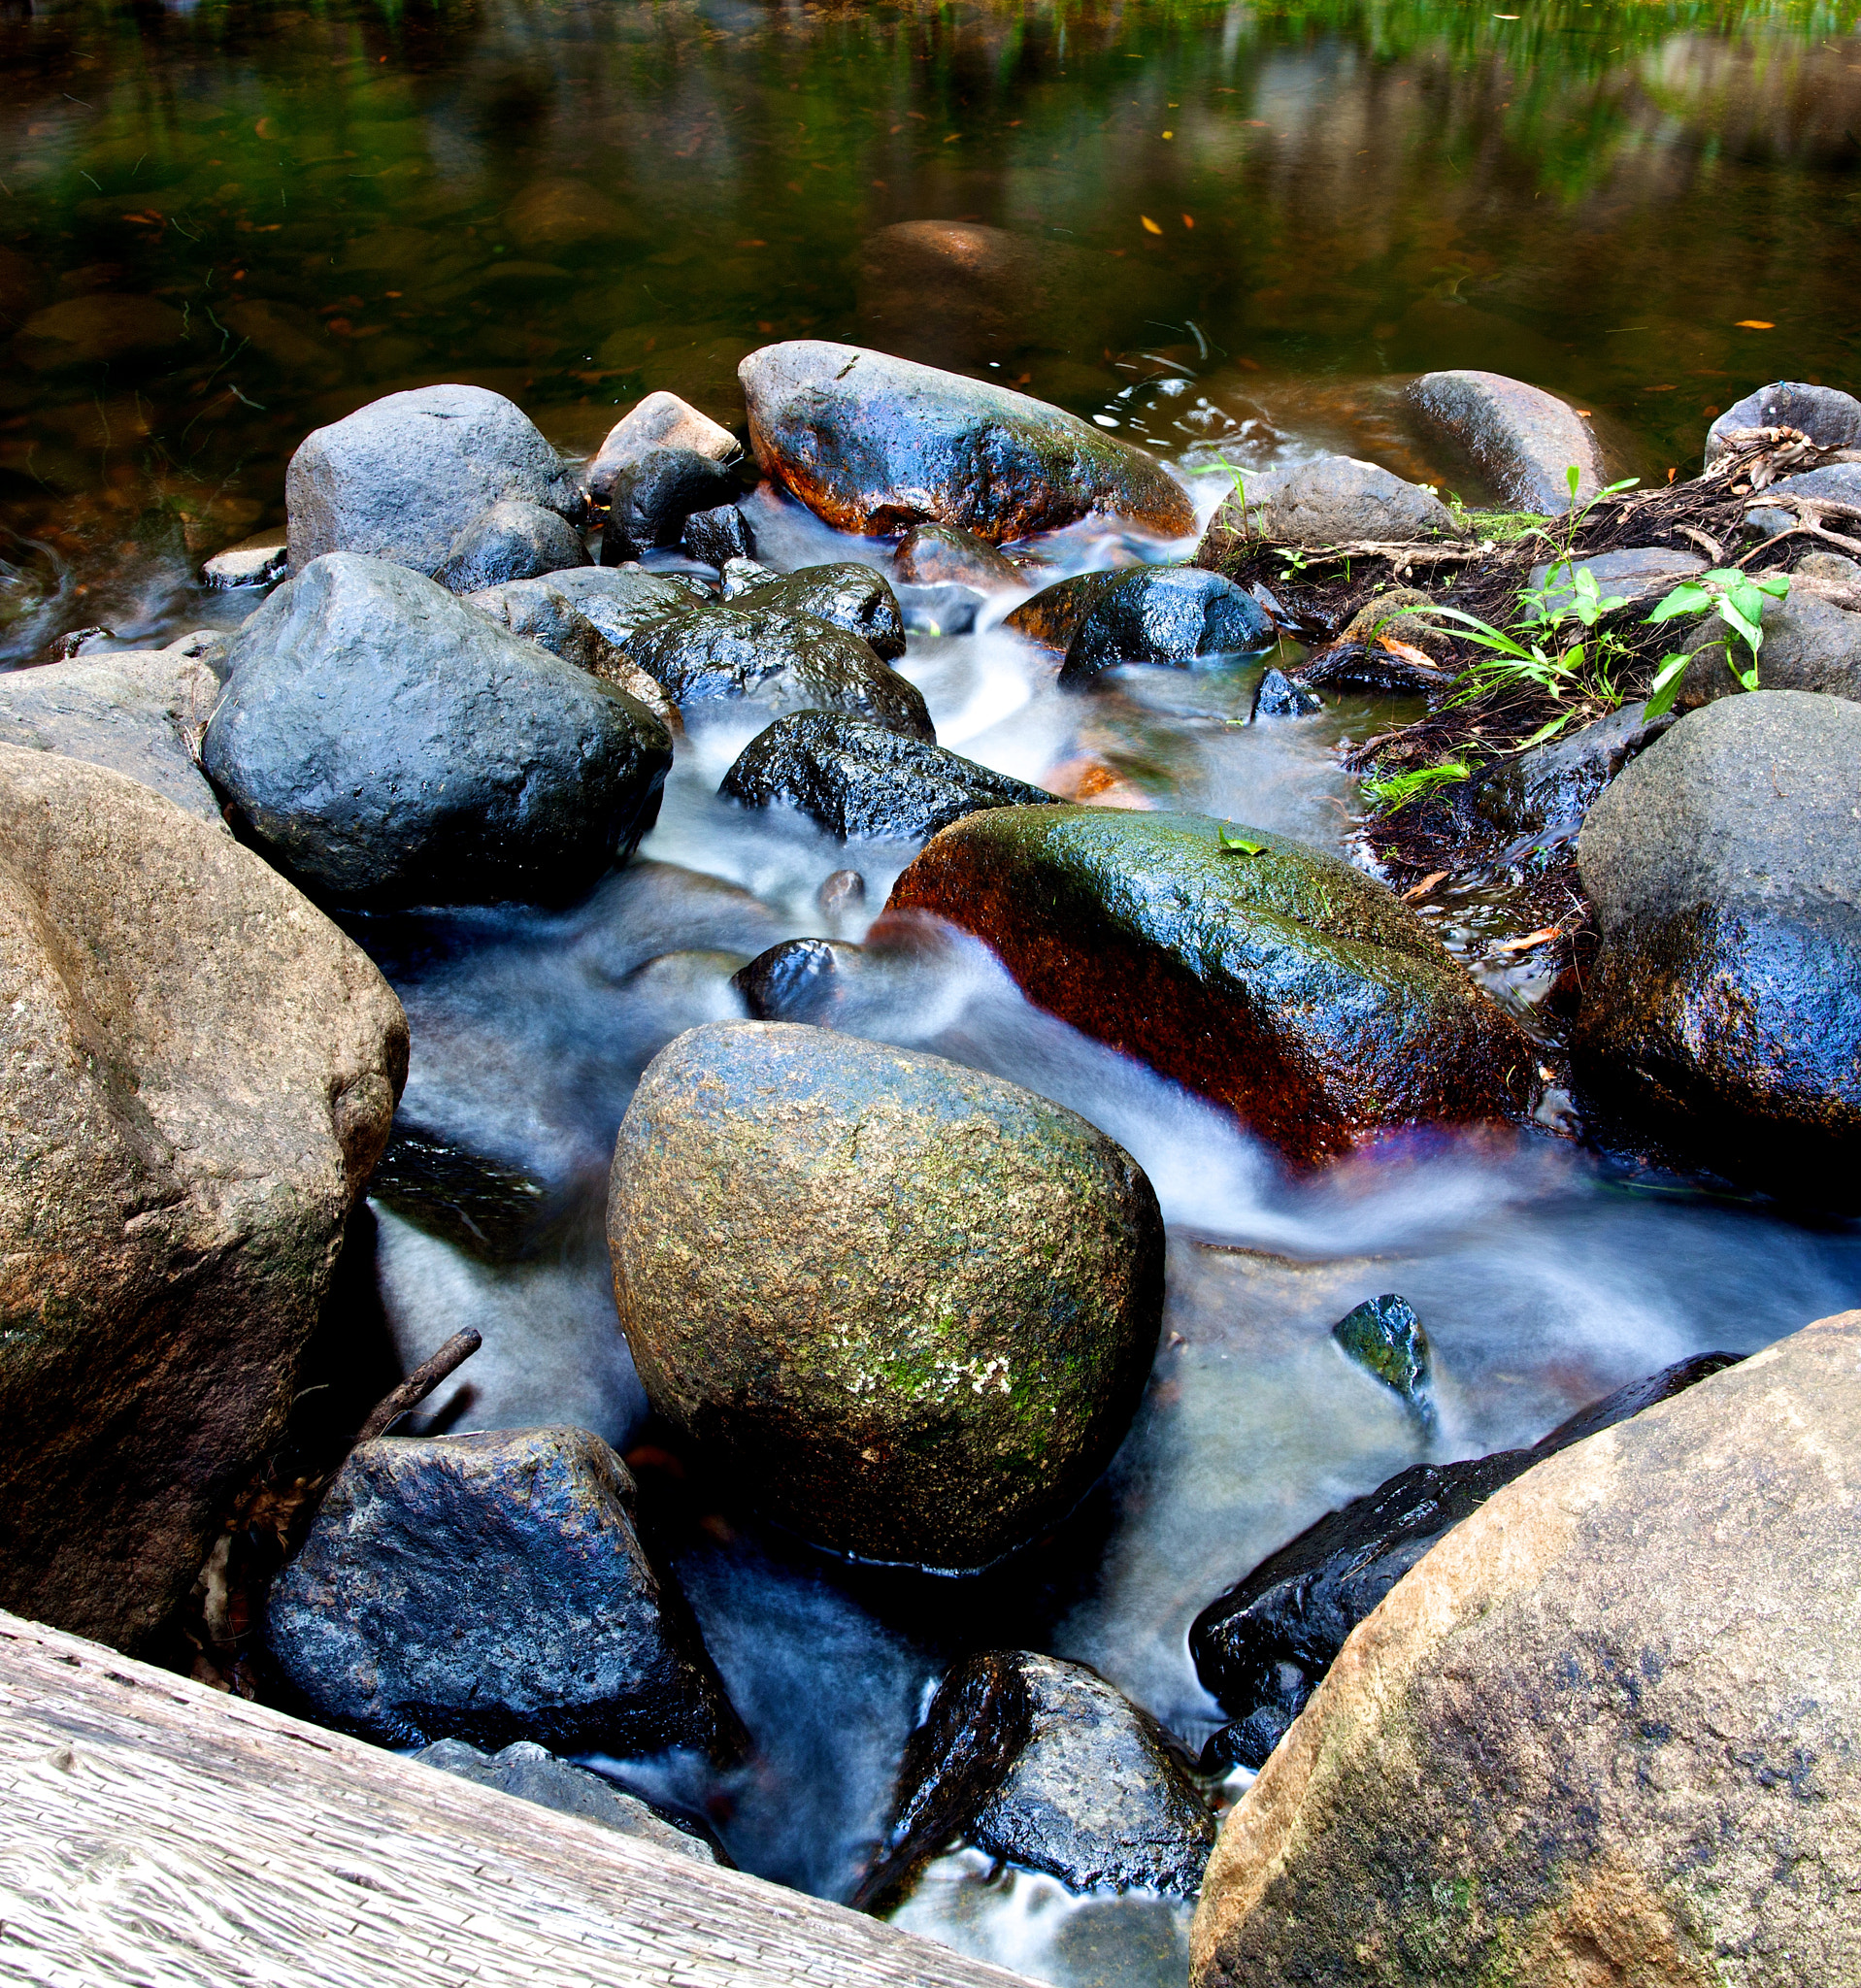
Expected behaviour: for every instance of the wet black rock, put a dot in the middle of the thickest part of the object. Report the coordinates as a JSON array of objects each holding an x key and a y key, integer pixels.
[
  {"x": 1825, "y": 414},
  {"x": 1638, "y": 576},
  {"x": 662, "y": 421},
  {"x": 1044, "y": 1763},
  {"x": 1051, "y": 618},
  {"x": 139, "y": 712},
  {"x": 542, "y": 612},
  {"x": 858, "y": 778},
  {"x": 1369, "y": 666},
  {"x": 480, "y": 1204},
  {"x": 652, "y": 497},
  {"x": 1722, "y": 1016},
  {"x": 718, "y": 535},
  {"x": 1384, "y": 1336},
  {"x": 945, "y": 554},
  {"x": 797, "y": 662},
  {"x": 1262, "y": 1647},
  {"x": 387, "y": 744},
  {"x": 939, "y": 609},
  {"x": 492, "y": 1588},
  {"x": 1522, "y": 440},
  {"x": 854, "y": 597},
  {"x": 619, "y": 599},
  {"x": 1277, "y": 696},
  {"x": 1540, "y": 796},
  {"x": 532, "y": 1773},
  {"x": 797, "y": 981},
  {"x": 510, "y": 541},
  {"x": 401, "y": 478},
  {"x": 1168, "y": 614}
]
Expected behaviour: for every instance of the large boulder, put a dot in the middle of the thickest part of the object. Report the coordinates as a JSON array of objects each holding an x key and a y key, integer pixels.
[
  {"x": 1522, "y": 440},
  {"x": 139, "y": 710},
  {"x": 1604, "y": 1732},
  {"x": 401, "y": 478},
  {"x": 1046, "y": 1764},
  {"x": 1172, "y": 616},
  {"x": 1827, "y": 415},
  {"x": 911, "y": 1306},
  {"x": 1262, "y": 1647},
  {"x": 878, "y": 445},
  {"x": 857, "y": 778},
  {"x": 387, "y": 744},
  {"x": 791, "y": 661},
  {"x": 1333, "y": 501},
  {"x": 1724, "y": 1013},
  {"x": 200, "y": 1070},
  {"x": 491, "y": 1588},
  {"x": 1272, "y": 978}
]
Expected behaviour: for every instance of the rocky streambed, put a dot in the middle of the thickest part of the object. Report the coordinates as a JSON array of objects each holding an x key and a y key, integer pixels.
[{"x": 986, "y": 1210}]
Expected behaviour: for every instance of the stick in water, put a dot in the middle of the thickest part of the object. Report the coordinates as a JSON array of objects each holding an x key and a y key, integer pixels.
[{"x": 421, "y": 1383}]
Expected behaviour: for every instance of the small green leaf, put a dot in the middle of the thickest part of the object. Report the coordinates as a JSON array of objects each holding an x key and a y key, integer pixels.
[
  {"x": 1573, "y": 477},
  {"x": 1688, "y": 598},
  {"x": 1667, "y": 685},
  {"x": 1240, "y": 846},
  {"x": 1776, "y": 585}
]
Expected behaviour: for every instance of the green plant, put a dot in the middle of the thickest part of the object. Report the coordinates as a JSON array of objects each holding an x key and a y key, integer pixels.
[
  {"x": 1239, "y": 844},
  {"x": 1737, "y": 600},
  {"x": 1581, "y": 674},
  {"x": 1400, "y": 788}
]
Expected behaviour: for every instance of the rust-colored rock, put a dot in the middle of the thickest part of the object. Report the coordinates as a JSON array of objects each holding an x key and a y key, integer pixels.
[
  {"x": 878, "y": 445},
  {"x": 1283, "y": 985}
]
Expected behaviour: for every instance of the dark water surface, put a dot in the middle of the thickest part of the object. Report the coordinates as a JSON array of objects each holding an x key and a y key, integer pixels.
[{"x": 1224, "y": 229}]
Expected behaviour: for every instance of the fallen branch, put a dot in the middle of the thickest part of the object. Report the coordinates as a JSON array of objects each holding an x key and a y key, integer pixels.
[{"x": 421, "y": 1383}]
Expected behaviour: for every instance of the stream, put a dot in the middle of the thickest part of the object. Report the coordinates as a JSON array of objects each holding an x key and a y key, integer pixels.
[{"x": 1237, "y": 223}]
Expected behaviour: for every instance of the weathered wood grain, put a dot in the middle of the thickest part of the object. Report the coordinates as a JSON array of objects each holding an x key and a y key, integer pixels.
[{"x": 158, "y": 1833}]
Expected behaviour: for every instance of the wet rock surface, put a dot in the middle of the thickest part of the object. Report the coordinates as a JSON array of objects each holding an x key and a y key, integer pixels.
[
  {"x": 651, "y": 497},
  {"x": 718, "y": 535},
  {"x": 546, "y": 615},
  {"x": 858, "y": 778},
  {"x": 401, "y": 478},
  {"x": 874, "y": 444},
  {"x": 260, "y": 561},
  {"x": 1333, "y": 501},
  {"x": 1052, "y": 617},
  {"x": 1168, "y": 614},
  {"x": 909, "y": 1306},
  {"x": 1262, "y": 1647},
  {"x": 1374, "y": 667},
  {"x": 388, "y": 744},
  {"x": 662, "y": 421},
  {"x": 1827, "y": 415},
  {"x": 945, "y": 554},
  {"x": 492, "y": 1588},
  {"x": 1387, "y": 1339},
  {"x": 1278, "y": 696},
  {"x": 532, "y": 1773},
  {"x": 1544, "y": 794},
  {"x": 1284, "y": 985},
  {"x": 849, "y": 595},
  {"x": 780, "y": 657},
  {"x": 1524, "y": 441},
  {"x": 199, "y": 1072},
  {"x": 1593, "y": 1721},
  {"x": 1044, "y": 1764},
  {"x": 617, "y": 600},
  {"x": 140, "y": 711},
  {"x": 511, "y": 539},
  {"x": 1722, "y": 1014}
]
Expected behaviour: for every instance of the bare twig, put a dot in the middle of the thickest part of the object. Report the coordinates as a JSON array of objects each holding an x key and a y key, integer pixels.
[{"x": 421, "y": 1383}]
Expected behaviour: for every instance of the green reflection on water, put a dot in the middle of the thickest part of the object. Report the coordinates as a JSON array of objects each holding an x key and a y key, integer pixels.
[{"x": 221, "y": 227}]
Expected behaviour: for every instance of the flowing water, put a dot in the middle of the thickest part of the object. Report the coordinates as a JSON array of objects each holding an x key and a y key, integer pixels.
[{"x": 1223, "y": 229}]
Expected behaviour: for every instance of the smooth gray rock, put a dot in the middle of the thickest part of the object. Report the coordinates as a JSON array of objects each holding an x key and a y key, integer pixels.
[
  {"x": 1810, "y": 644},
  {"x": 662, "y": 421},
  {"x": 1044, "y": 1764},
  {"x": 1724, "y": 1013},
  {"x": 1835, "y": 482},
  {"x": 540, "y": 611},
  {"x": 139, "y": 712},
  {"x": 1824, "y": 414},
  {"x": 794, "y": 662},
  {"x": 510, "y": 540},
  {"x": 492, "y": 1588},
  {"x": 1325, "y": 503},
  {"x": 1522, "y": 440},
  {"x": 857, "y": 778},
  {"x": 533, "y": 1773},
  {"x": 389, "y": 745},
  {"x": 401, "y": 478},
  {"x": 1638, "y": 574}
]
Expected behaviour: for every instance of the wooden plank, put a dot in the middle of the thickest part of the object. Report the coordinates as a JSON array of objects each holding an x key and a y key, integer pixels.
[{"x": 155, "y": 1833}]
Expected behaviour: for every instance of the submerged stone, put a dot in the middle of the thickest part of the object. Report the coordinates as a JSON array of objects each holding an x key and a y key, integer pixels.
[
  {"x": 949, "y": 609},
  {"x": 793, "y": 661},
  {"x": 491, "y": 1588},
  {"x": 858, "y": 778},
  {"x": 387, "y": 744},
  {"x": 1384, "y": 1336},
  {"x": 877, "y": 445},
  {"x": 1282, "y": 983},
  {"x": 908, "y": 1306},
  {"x": 1262, "y": 1647},
  {"x": 1169, "y": 614},
  {"x": 945, "y": 554},
  {"x": 1044, "y": 1763}
]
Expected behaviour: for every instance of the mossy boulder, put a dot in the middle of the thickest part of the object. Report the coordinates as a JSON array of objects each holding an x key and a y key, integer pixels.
[
  {"x": 1282, "y": 984},
  {"x": 911, "y": 1306}
]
